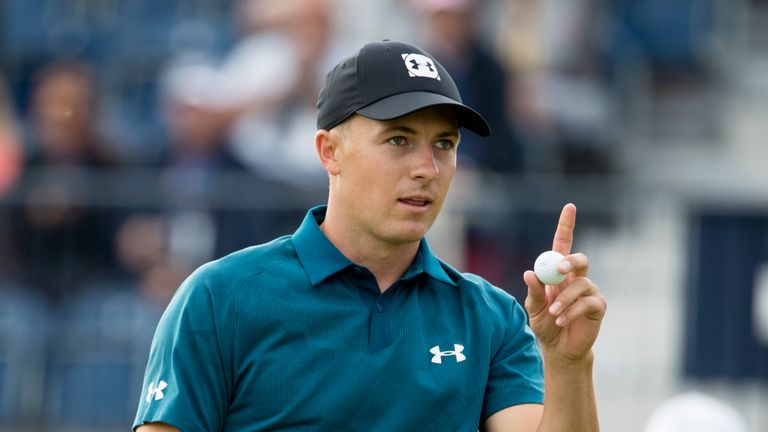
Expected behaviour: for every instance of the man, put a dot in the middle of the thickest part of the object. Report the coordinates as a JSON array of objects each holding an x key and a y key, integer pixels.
[{"x": 351, "y": 323}]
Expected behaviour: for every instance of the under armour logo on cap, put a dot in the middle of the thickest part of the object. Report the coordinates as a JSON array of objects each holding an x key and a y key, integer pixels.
[
  {"x": 438, "y": 355},
  {"x": 420, "y": 66}
]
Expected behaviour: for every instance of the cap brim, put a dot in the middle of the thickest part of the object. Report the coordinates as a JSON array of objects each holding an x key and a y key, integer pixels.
[{"x": 405, "y": 103}]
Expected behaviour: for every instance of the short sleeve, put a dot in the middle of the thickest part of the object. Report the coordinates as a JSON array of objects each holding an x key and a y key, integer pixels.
[
  {"x": 516, "y": 374},
  {"x": 189, "y": 376}
]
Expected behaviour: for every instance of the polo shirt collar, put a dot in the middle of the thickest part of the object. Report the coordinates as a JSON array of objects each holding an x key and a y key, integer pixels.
[
  {"x": 317, "y": 254},
  {"x": 321, "y": 259},
  {"x": 429, "y": 264}
]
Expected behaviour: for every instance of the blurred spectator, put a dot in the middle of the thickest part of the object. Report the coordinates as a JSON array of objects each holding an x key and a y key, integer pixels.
[
  {"x": 10, "y": 145},
  {"x": 195, "y": 122},
  {"x": 554, "y": 48},
  {"x": 57, "y": 238},
  {"x": 695, "y": 412},
  {"x": 64, "y": 119},
  {"x": 453, "y": 38},
  {"x": 198, "y": 122},
  {"x": 276, "y": 131},
  {"x": 157, "y": 248},
  {"x": 10, "y": 170}
]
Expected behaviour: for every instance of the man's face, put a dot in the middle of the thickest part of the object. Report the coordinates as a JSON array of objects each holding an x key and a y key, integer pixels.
[{"x": 394, "y": 175}]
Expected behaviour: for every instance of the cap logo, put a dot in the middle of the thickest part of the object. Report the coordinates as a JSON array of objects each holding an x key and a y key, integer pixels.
[{"x": 419, "y": 65}]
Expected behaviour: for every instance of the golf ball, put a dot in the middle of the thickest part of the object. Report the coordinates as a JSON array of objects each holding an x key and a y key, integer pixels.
[{"x": 545, "y": 268}]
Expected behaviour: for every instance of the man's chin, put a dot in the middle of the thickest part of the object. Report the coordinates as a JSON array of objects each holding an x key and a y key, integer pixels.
[{"x": 412, "y": 232}]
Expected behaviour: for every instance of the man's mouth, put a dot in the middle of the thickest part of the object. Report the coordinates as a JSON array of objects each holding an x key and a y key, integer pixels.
[{"x": 418, "y": 202}]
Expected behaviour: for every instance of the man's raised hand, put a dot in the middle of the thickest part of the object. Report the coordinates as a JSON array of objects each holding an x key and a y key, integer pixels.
[{"x": 566, "y": 317}]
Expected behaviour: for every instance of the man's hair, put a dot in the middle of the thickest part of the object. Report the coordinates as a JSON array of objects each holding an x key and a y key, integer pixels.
[{"x": 342, "y": 128}]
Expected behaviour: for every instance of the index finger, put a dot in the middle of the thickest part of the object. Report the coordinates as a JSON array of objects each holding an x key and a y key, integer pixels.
[{"x": 564, "y": 233}]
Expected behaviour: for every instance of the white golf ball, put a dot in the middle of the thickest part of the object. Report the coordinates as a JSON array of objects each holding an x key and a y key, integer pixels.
[{"x": 545, "y": 268}]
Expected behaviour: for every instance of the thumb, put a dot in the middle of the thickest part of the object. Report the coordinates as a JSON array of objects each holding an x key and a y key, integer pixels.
[{"x": 536, "y": 301}]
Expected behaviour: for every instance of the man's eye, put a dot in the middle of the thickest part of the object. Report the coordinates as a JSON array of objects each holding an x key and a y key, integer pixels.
[
  {"x": 398, "y": 141},
  {"x": 444, "y": 144}
]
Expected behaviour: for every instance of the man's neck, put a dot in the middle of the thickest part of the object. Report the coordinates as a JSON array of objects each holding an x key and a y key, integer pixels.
[{"x": 388, "y": 262}]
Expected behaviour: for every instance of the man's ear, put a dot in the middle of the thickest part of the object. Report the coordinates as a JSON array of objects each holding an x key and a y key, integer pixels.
[{"x": 327, "y": 146}]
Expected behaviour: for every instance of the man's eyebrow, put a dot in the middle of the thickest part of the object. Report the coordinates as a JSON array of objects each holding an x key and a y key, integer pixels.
[
  {"x": 398, "y": 128},
  {"x": 448, "y": 134},
  {"x": 411, "y": 131}
]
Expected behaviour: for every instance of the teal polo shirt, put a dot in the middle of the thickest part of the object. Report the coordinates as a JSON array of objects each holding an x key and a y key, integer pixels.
[{"x": 293, "y": 336}]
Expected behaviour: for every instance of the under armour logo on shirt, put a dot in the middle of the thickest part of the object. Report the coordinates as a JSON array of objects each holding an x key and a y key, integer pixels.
[
  {"x": 420, "y": 66},
  {"x": 156, "y": 392},
  {"x": 438, "y": 355}
]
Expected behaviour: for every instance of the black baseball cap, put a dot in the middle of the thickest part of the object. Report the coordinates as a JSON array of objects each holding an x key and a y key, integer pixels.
[{"x": 386, "y": 80}]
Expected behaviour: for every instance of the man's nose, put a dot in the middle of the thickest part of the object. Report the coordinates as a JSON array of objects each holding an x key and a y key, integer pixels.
[{"x": 425, "y": 166}]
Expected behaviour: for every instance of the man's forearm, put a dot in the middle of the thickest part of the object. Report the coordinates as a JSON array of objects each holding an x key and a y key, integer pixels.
[{"x": 569, "y": 396}]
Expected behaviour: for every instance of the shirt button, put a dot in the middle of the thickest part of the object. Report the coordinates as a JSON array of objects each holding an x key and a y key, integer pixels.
[{"x": 380, "y": 308}]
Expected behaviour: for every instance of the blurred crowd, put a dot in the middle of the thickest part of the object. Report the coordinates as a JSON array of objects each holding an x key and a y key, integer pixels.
[
  {"x": 196, "y": 89},
  {"x": 222, "y": 87},
  {"x": 140, "y": 139}
]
